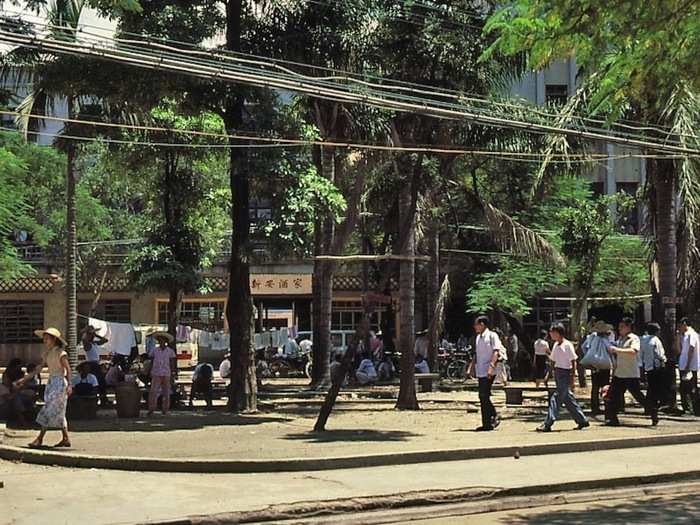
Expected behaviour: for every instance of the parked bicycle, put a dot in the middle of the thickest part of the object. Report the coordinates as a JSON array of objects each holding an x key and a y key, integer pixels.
[{"x": 453, "y": 364}]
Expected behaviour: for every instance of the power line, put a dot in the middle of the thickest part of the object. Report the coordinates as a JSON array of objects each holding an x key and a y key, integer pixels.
[
  {"x": 282, "y": 142},
  {"x": 213, "y": 70},
  {"x": 391, "y": 84}
]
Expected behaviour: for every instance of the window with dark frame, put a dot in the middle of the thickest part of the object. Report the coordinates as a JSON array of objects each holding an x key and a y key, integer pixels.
[
  {"x": 19, "y": 319},
  {"x": 556, "y": 94},
  {"x": 111, "y": 310},
  {"x": 208, "y": 315}
]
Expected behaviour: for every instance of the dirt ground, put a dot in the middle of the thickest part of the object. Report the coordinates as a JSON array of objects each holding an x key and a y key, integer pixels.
[{"x": 357, "y": 426}]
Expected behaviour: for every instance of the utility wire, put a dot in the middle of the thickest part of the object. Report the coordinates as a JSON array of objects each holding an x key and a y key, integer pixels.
[
  {"x": 281, "y": 142},
  {"x": 143, "y": 58},
  {"x": 354, "y": 77}
]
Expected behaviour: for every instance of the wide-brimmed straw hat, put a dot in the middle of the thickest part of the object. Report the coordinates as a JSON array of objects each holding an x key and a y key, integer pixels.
[
  {"x": 601, "y": 327},
  {"x": 162, "y": 335},
  {"x": 51, "y": 331}
]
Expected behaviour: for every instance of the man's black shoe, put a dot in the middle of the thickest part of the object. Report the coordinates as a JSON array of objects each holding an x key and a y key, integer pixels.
[
  {"x": 543, "y": 428},
  {"x": 612, "y": 423},
  {"x": 496, "y": 421},
  {"x": 583, "y": 425},
  {"x": 484, "y": 429}
]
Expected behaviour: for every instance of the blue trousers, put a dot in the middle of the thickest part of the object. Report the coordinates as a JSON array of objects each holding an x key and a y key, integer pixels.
[{"x": 563, "y": 394}]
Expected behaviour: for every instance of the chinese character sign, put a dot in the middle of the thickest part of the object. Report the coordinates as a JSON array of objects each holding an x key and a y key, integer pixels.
[{"x": 280, "y": 284}]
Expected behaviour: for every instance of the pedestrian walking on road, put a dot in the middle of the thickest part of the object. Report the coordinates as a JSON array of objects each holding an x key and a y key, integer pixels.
[
  {"x": 653, "y": 356},
  {"x": 688, "y": 365},
  {"x": 626, "y": 375},
  {"x": 563, "y": 358},
  {"x": 540, "y": 358},
  {"x": 164, "y": 364},
  {"x": 600, "y": 377},
  {"x": 58, "y": 387},
  {"x": 489, "y": 350}
]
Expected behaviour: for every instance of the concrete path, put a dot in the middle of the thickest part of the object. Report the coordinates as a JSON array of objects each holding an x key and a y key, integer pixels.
[{"x": 53, "y": 495}]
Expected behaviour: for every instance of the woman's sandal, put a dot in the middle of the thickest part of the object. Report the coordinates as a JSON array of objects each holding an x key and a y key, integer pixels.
[
  {"x": 62, "y": 444},
  {"x": 34, "y": 444}
]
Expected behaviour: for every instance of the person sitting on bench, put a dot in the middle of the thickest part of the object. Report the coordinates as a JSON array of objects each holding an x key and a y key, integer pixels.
[
  {"x": 201, "y": 383},
  {"x": 85, "y": 384},
  {"x": 366, "y": 373}
]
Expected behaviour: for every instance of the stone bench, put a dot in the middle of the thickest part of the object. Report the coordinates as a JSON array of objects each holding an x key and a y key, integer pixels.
[
  {"x": 514, "y": 394},
  {"x": 426, "y": 381}
]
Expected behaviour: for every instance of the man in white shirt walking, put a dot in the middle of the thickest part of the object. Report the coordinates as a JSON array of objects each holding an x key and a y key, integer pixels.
[
  {"x": 653, "y": 358},
  {"x": 688, "y": 364},
  {"x": 626, "y": 375},
  {"x": 563, "y": 358},
  {"x": 487, "y": 354}
]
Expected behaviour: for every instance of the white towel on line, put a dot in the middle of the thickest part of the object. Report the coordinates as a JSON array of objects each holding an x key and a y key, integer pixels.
[{"x": 121, "y": 337}]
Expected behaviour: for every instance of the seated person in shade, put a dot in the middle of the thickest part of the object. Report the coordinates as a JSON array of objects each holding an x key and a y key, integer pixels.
[
  {"x": 335, "y": 368},
  {"x": 386, "y": 369},
  {"x": 225, "y": 367},
  {"x": 115, "y": 374},
  {"x": 201, "y": 382},
  {"x": 421, "y": 365},
  {"x": 366, "y": 372},
  {"x": 35, "y": 381},
  {"x": 84, "y": 382},
  {"x": 13, "y": 404}
]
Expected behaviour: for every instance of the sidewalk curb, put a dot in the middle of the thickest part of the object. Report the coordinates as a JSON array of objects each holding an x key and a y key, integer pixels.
[
  {"x": 213, "y": 466},
  {"x": 426, "y": 504}
]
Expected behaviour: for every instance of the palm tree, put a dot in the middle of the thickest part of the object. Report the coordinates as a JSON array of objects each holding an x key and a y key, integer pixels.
[{"x": 49, "y": 85}]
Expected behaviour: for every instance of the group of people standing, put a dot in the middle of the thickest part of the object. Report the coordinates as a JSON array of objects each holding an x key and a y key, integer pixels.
[{"x": 617, "y": 364}]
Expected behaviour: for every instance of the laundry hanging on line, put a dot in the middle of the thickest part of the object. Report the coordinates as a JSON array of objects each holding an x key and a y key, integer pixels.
[{"x": 121, "y": 337}]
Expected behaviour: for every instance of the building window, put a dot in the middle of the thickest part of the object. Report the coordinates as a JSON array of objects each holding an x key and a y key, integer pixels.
[
  {"x": 629, "y": 224},
  {"x": 202, "y": 315},
  {"x": 347, "y": 315},
  {"x": 112, "y": 310},
  {"x": 19, "y": 319},
  {"x": 556, "y": 94}
]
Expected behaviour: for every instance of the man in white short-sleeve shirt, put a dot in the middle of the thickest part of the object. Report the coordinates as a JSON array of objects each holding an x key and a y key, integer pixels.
[
  {"x": 488, "y": 351},
  {"x": 688, "y": 364},
  {"x": 563, "y": 358},
  {"x": 626, "y": 375}
]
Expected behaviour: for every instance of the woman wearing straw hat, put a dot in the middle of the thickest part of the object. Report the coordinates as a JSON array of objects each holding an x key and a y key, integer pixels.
[
  {"x": 58, "y": 387},
  {"x": 164, "y": 363}
]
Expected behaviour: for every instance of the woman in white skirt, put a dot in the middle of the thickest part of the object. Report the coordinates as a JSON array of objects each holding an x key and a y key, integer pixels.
[{"x": 58, "y": 387}]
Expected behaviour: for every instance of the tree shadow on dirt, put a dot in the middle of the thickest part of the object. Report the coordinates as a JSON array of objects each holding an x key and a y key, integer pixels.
[{"x": 330, "y": 436}]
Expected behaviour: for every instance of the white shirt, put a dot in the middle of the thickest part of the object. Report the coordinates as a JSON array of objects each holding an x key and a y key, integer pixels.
[
  {"x": 367, "y": 367},
  {"x": 291, "y": 347},
  {"x": 563, "y": 354},
  {"x": 420, "y": 347},
  {"x": 627, "y": 365},
  {"x": 92, "y": 355},
  {"x": 541, "y": 347},
  {"x": 225, "y": 368},
  {"x": 687, "y": 360},
  {"x": 651, "y": 352},
  {"x": 90, "y": 379},
  {"x": 486, "y": 343}
]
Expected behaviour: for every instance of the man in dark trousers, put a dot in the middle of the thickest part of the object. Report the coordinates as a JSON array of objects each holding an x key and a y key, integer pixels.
[
  {"x": 487, "y": 353},
  {"x": 626, "y": 375}
]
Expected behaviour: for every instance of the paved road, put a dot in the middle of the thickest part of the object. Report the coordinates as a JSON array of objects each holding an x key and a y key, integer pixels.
[
  {"x": 36, "y": 494},
  {"x": 655, "y": 510}
]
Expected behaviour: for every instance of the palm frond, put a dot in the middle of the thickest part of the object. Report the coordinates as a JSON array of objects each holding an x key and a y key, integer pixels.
[
  {"x": 513, "y": 237},
  {"x": 682, "y": 112},
  {"x": 437, "y": 323}
]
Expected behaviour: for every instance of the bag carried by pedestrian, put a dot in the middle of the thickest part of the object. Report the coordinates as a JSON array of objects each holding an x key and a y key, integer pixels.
[{"x": 597, "y": 355}]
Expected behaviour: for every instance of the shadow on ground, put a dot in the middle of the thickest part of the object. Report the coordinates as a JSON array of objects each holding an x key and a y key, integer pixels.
[
  {"x": 173, "y": 421},
  {"x": 330, "y": 436},
  {"x": 647, "y": 512}
]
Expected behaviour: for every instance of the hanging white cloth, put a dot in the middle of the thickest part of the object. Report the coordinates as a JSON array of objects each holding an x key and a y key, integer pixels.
[{"x": 121, "y": 337}]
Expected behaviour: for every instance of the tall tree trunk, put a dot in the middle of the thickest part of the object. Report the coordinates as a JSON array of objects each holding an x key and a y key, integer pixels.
[
  {"x": 71, "y": 253},
  {"x": 664, "y": 180},
  {"x": 579, "y": 314},
  {"x": 666, "y": 247},
  {"x": 174, "y": 307},
  {"x": 433, "y": 284},
  {"x": 239, "y": 309},
  {"x": 322, "y": 281},
  {"x": 407, "y": 394},
  {"x": 322, "y": 307}
]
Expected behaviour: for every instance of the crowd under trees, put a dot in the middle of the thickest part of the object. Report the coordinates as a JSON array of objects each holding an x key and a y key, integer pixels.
[{"x": 503, "y": 227}]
